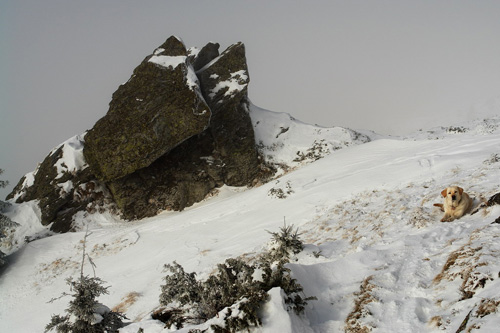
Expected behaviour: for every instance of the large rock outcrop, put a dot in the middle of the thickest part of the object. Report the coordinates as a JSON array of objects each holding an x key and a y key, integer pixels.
[
  {"x": 157, "y": 109},
  {"x": 225, "y": 153},
  {"x": 225, "y": 87},
  {"x": 171, "y": 135}
]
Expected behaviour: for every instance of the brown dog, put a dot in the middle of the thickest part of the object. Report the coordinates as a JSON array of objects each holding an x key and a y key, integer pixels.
[{"x": 456, "y": 203}]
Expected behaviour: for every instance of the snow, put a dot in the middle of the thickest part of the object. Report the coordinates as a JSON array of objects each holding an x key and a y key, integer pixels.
[
  {"x": 158, "y": 51},
  {"x": 235, "y": 83},
  {"x": 72, "y": 158},
  {"x": 192, "y": 80},
  {"x": 193, "y": 51},
  {"x": 376, "y": 256},
  {"x": 70, "y": 161},
  {"x": 275, "y": 317},
  {"x": 285, "y": 141},
  {"x": 66, "y": 187},
  {"x": 29, "y": 180},
  {"x": 172, "y": 62},
  {"x": 168, "y": 61}
]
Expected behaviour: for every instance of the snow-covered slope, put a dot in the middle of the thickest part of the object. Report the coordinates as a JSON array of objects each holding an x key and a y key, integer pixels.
[
  {"x": 288, "y": 143},
  {"x": 376, "y": 255}
]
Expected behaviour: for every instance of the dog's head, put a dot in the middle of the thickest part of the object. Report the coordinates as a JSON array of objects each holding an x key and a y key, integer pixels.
[{"x": 453, "y": 195}]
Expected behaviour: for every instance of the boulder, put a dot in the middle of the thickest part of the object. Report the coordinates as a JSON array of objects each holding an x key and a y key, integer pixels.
[
  {"x": 176, "y": 180},
  {"x": 225, "y": 153},
  {"x": 224, "y": 85},
  {"x": 156, "y": 110}
]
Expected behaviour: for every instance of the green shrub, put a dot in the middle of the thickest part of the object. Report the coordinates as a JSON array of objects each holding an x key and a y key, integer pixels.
[
  {"x": 180, "y": 286},
  {"x": 7, "y": 227},
  {"x": 232, "y": 291},
  {"x": 284, "y": 244},
  {"x": 84, "y": 313},
  {"x": 279, "y": 276}
]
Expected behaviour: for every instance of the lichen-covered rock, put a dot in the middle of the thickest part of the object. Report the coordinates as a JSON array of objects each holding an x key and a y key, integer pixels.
[
  {"x": 225, "y": 78},
  {"x": 176, "y": 180},
  {"x": 208, "y": 53},
  {"x": 166, "y": 142},
  {"x": 223, "y": 154},
  {"x": 62, "y": 184},
  {"x": 156, "y": 110},
  {"x": 224, "y": 84}
]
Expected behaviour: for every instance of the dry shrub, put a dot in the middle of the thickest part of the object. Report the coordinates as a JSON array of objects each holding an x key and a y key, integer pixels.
[
  {"x": 459, "y": 263},
  {"x": 127, "y": 302},
  {"x": 487, "y": 307},
  {"x": 364, "y": 297},
  {"x": 436, "y": 321},
  {"x": 465, "y": 263},
  {"x": 472, "y": 321}
]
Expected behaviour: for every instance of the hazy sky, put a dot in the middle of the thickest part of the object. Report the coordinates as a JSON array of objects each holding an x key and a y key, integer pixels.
[{"x": 389, "y": 66}]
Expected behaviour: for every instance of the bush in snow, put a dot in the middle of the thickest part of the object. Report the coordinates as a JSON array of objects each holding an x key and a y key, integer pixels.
[
  {"x": 6, "y": 224},
  {"x": 84, "y": 313},
  {"x": 235, "y": 292},
  {"x": 318, "y": 150},
  {"x": 4, "y": 221},
  {"x": 2, "y": 261},
  {"x": 279, "y": 192},
  {"x": 277, "y": 275},
  {"x": 232, "y": 288},
  {"x": 284, "y": 244},
  {"x": 3, "y": 183}
]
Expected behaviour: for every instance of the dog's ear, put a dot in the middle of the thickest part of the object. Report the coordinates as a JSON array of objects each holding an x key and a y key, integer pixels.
[
  {"x": 443, "y": 192},
  {"x": 460, "y": 190}
]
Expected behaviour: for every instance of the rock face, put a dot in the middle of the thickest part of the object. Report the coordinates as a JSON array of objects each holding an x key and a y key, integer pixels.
[
  {"x": 208, "y": 53},
  {"x": 156, "y": 110},
  {"x": 63, "y": 184},
  {"x": 224, "y": 153},
  {"x": 174, "y": 181},
  {"x": 225, "y": 87},
  {"x": 170, "y": 137}
]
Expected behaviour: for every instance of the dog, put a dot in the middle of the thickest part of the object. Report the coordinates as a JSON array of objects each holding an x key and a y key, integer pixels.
[{"x": 456, "y": 203}]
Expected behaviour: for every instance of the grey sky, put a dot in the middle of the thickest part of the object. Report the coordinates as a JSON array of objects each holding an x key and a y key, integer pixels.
[{"x": 389, "y": 66}]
